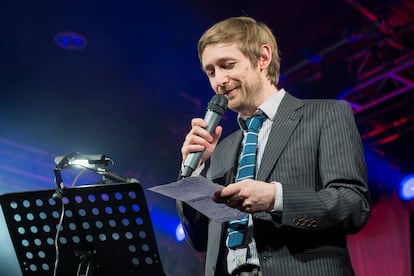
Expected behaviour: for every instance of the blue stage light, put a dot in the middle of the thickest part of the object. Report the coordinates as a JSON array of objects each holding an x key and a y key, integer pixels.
[
  {"x": 315, "y": 59},
  {"x": 407, "y": 187},
  {"x": 70, "y": 40},
  {"x": 179, "y": 232}
]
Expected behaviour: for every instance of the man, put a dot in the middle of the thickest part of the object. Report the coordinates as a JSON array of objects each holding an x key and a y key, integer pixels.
[{"x": 310, "y": 187}]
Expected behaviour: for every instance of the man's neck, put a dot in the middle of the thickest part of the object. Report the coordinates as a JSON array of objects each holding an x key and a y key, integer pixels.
[{"x": 268, "y": 91}]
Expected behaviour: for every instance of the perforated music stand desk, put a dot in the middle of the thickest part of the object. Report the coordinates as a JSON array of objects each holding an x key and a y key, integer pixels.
[{"x": 106, "y": 225}]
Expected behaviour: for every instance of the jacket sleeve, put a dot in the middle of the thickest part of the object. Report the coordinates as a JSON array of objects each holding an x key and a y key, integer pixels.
[
  {"x": 338, "y": 197},
  {"x": 195, "y": 226}
]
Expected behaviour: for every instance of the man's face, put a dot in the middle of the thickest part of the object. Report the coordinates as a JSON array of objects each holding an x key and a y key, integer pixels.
[{"x": 231, "y": 73}]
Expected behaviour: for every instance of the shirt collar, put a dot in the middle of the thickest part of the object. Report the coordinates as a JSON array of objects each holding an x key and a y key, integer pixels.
[{"x": 268, "y": 107}]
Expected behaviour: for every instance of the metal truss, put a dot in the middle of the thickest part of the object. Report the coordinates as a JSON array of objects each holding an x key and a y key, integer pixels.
[{"x": 379, "y": 62}]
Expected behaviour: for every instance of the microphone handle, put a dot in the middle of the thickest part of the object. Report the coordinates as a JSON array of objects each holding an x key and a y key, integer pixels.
[
  {"x": 192, "y": 160},
  {"x": 212, "y": 119}
]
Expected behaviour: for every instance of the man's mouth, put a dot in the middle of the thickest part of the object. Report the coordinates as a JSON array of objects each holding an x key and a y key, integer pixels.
[{"x": 227, "y": 91}]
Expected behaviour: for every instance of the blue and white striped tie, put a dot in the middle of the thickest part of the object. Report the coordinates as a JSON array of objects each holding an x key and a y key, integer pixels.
[{"x": 246, "y": 170}]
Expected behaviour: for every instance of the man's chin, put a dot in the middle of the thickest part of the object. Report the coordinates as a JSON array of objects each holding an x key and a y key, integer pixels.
[{"x": 233, "y": 105}]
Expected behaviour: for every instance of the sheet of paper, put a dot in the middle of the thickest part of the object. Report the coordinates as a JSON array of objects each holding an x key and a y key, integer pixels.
[{"x": 197, "y": 191}]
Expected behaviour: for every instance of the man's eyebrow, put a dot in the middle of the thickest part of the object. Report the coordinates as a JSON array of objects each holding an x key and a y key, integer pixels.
[{"x": 218, "y": 61}]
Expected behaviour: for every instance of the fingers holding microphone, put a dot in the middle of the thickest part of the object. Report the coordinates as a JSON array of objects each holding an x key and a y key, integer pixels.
[{"x": 199, "y": 139}]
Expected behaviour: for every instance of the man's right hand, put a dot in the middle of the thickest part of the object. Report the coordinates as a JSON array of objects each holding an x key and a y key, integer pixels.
[{"x": 199, "y": 139}]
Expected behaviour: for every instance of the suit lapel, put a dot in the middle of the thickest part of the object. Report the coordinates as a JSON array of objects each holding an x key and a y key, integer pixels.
[{"x": 285, "y": 121}]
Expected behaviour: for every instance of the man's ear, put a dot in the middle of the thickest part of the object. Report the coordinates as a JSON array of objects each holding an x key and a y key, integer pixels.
[{"x": 265, "y": 57}]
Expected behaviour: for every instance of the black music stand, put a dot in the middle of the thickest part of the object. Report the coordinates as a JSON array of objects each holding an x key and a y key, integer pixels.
[{"x": 106, "y": 231}]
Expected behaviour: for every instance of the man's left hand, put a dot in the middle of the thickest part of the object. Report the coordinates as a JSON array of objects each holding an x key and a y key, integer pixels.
[{"x": 248, "y": 196}]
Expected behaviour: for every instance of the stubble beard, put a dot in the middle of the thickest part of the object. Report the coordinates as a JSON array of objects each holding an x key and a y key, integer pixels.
[{"x": 246, "y": 99}]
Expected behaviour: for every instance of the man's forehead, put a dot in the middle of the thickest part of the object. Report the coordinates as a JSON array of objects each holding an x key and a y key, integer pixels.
[{"x": 214, "y": 53}]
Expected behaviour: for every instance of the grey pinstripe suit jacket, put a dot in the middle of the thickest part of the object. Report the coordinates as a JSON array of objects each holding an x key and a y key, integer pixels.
[{"x": 315, "y": 151}]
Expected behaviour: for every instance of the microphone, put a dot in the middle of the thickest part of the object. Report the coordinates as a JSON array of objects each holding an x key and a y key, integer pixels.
[{"x": 215, "y": 110}]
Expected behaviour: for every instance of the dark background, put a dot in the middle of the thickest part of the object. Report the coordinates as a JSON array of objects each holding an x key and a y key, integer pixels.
[{"x": 132, "y": 91}]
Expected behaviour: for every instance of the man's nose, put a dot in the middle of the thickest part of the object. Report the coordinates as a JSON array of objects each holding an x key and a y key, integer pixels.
[{"x": 221, "y": 78}]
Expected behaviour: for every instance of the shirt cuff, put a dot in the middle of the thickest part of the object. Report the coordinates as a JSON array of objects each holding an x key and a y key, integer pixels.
[
  {"x": 278, "y": 205},
  {"x": 197, "y": 171}
]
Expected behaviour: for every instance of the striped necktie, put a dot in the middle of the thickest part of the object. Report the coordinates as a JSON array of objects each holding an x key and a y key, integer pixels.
[{"x": 246, "y": 170}]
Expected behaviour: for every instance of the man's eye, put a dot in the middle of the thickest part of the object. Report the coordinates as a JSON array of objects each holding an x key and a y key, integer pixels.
[
  {"x": 210, "y": 73},
  {"x": 228, "y": 66}
]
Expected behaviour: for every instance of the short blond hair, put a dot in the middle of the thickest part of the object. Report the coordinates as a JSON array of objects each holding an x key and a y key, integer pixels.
[{"x": 250, "y": 36}]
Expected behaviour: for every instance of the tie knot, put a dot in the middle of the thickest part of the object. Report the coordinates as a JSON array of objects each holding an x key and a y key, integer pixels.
[{"x": 254, "y": 123}]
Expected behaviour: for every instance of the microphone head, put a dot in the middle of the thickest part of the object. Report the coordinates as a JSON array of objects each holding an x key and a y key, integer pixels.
[{"x": 218, "y": 104}]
